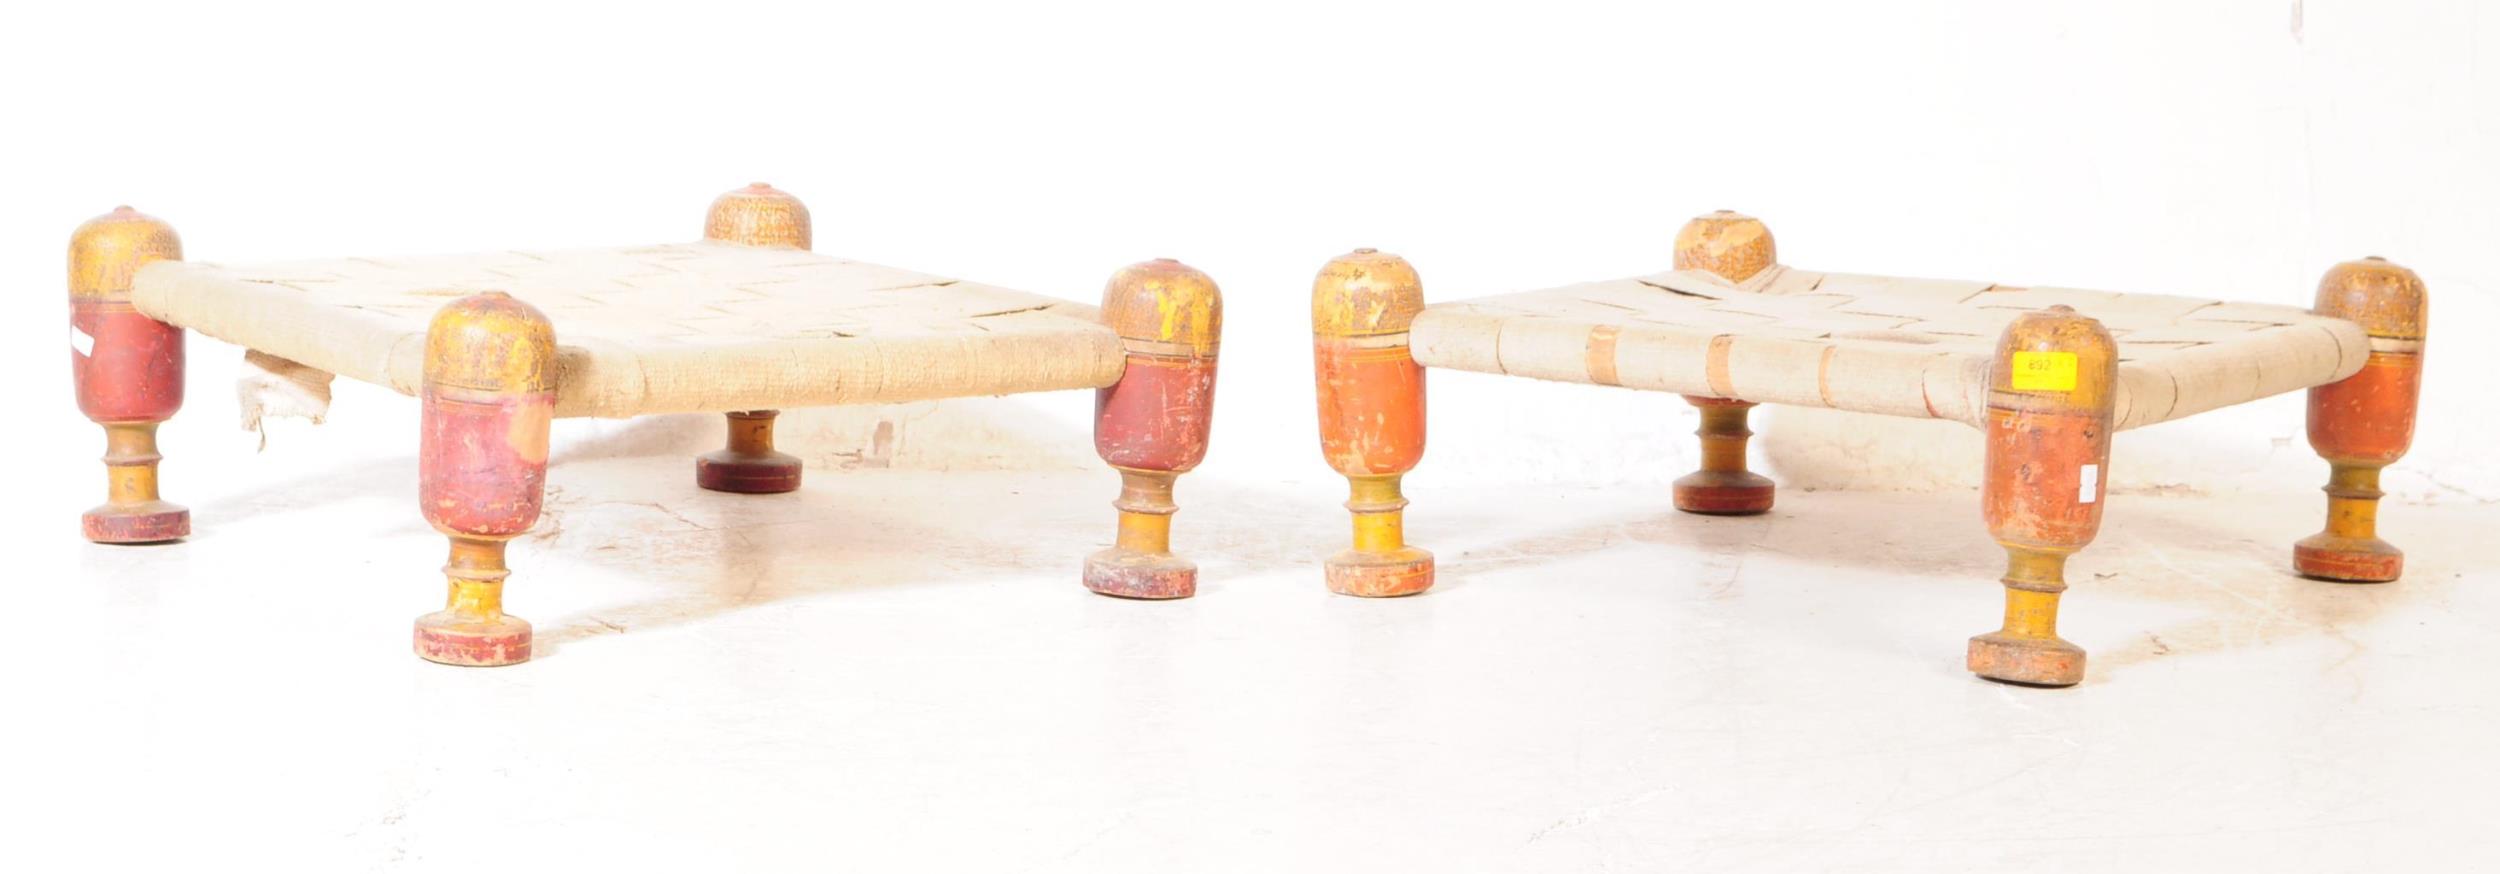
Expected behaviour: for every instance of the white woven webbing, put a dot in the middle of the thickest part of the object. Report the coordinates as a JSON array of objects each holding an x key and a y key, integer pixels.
[
  {"x": 1877, "y": 344},
  {"x": 687, "y": 327}
]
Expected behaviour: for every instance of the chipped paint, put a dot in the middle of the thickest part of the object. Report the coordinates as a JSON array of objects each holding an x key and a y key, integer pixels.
[
  {"x": 1369, "y": 292},
  {"x": 1371, "y": 414},
  {"x": 108, "y": 250},
  {"x": 1732, "y": 245},
  {"x": 1153, "y": 424},
  {"x": 488, "y": 400},
  {"x": 128, "y": 372},
  {"x": 1164, "y": 302},
  {"x": 2365, "y": 422},
  {"x": 2040, "y": 440}
]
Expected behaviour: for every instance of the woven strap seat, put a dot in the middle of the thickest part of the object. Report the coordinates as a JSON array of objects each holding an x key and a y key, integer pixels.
[
  {"x": 684, "y": 327},
  {"x": 1877, "y": 344}
]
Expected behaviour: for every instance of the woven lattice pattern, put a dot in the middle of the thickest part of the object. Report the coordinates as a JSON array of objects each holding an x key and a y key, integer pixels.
[
  {"x": 1904, "y": 347},
  {"x": 667, "y": 328}
]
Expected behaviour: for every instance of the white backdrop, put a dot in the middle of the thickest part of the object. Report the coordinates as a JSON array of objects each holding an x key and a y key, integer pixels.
[{"x": 2234, "y": 149}]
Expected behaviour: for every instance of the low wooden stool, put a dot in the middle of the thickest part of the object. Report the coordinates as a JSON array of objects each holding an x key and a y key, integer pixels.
[
  {"x": 2049, "y": 374},
  {"x": 747, "y": 322}
]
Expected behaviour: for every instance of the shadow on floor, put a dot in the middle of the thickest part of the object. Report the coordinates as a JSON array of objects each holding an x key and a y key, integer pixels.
[
  {"x": 2242, "y": 588},
  {"x": 610, "y": 505}
]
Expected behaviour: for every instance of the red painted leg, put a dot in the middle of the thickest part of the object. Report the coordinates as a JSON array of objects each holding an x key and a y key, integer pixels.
[
  {"x": 2050, "y": 399},
  {"x": 1152, "y": 425},
  {"x": 2364, "y": 423},
  {"x": 757, "y": 215},
  {"x": 489, "y": 397},
  {"x": 128, "y": 369},
  {"x": 1371, "y": 414}
]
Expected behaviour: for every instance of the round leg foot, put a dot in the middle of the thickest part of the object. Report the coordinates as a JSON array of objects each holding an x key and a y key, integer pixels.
[
  {"x": 769, "y": 473},
  {"x": 1127, "y": 573},
  {"x": 2030, "y": 661},
  {"x": 460, "y": 639},
  {"x": 2347, "y": 559},
  {"x": 151, "y": 522},
  {"x": 1403, "y": 572},
  {"x": 1724, "y": 493}
]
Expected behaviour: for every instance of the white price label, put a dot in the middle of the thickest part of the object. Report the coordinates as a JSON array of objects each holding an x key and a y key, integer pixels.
[
  {"x": 2091, "y": 489},
  {"x": 80, "y": 341}
]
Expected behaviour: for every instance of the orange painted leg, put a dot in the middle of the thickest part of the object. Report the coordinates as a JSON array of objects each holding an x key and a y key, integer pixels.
[
  {"x": 2364, "y": 423},
  {"x": 482, "y": 466},
  {"x": 2050, "y": 401},
  {"x": 1723, "y": 487},
  {"x": 1152, "y": 425},
  {"x": 1371, "y": 414},
  {"x": 762, "y": 216},
  {"x": 128, "y": 369}
]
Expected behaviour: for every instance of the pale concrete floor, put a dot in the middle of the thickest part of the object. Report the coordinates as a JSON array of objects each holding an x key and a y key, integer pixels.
[{"x": 896, "y": 670}]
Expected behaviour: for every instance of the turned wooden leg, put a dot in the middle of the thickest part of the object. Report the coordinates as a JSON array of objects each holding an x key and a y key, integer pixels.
[
  {"x": 1152, "y": 425},
  {"x": 1371, "y": 414},
  {"x": 489, "y": 396},
  {"x": 749, "y": 465},
  {"x": 762, "y": 216},
  {"x": 2050, "y": 400},
  {"x": 1723, "y": 487},
  {"x": 1735, "y": 247},
  {"x": 2365, "y": 422},
  {"x": 129, "y": 372}
]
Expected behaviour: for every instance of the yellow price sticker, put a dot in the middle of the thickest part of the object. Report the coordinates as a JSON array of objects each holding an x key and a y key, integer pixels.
[{"x": 2044, "y": 371}]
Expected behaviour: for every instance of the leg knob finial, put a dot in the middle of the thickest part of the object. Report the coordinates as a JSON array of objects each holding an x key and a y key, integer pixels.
[{"x": 1732, "y": 245}]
